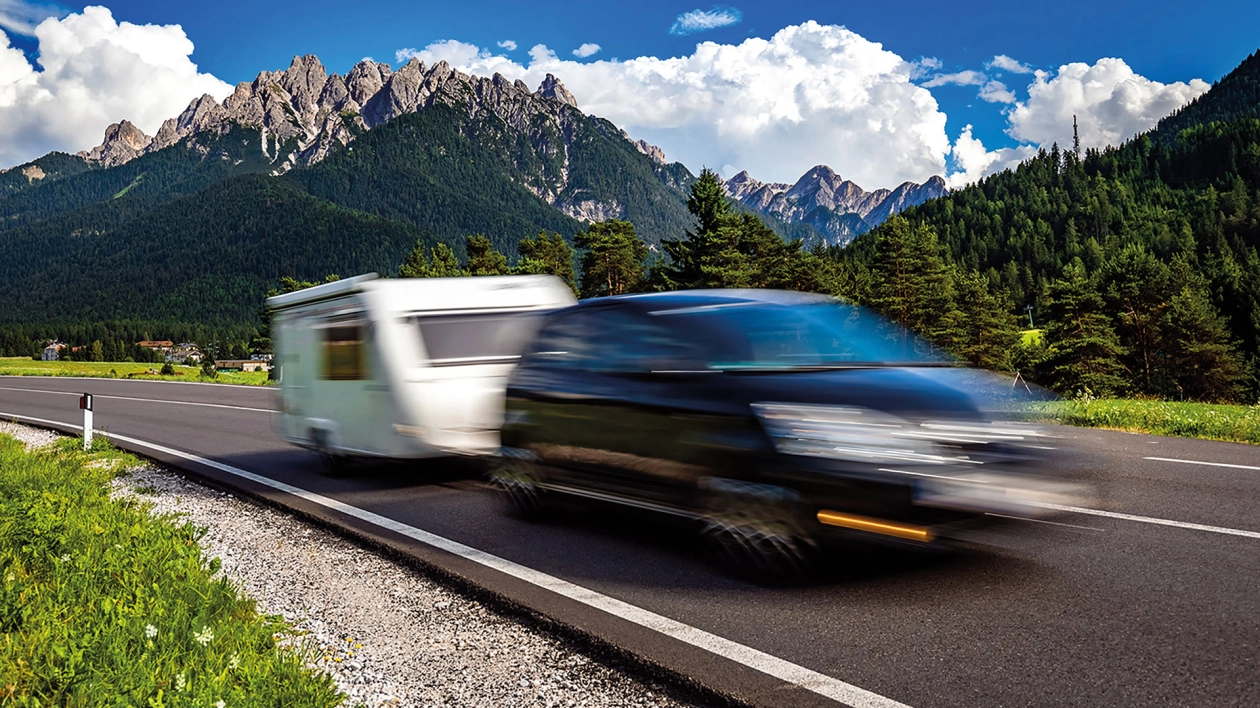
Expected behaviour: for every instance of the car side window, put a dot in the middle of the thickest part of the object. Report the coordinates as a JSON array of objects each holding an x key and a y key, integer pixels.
[
  {"x": 564, "y": 342},
  {"x": 633, "y": 344}
]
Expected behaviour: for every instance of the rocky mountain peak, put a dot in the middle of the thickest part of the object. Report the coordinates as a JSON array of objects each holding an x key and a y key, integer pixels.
[
  {"x": 837, "y": 208},
  {"x": 553, "y": 89},
  {"x": 123, "y": 142}
]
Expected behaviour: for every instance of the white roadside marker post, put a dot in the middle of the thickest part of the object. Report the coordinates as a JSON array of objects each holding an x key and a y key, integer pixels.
[{"x": 85, "y": 402}]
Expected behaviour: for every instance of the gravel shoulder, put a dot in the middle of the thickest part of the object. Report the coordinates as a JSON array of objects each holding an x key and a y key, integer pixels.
[{"x": 387, "y": 634}]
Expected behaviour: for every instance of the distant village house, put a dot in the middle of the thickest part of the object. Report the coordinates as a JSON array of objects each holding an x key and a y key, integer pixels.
[{"x": 242, "y": 365}]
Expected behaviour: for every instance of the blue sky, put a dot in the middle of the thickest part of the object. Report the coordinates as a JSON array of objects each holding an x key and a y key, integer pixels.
[{"x": 1160, "y": 45}]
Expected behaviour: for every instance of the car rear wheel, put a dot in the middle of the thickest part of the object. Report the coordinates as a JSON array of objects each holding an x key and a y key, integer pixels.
[
  {"x": 518, "y": 480},
  {"x": 757, "y": 530}
]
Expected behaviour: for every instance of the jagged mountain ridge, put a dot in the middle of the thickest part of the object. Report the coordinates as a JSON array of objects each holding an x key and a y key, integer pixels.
[
  {"x": 304, "y": 114},
  {"x": 837, "y": 208}
]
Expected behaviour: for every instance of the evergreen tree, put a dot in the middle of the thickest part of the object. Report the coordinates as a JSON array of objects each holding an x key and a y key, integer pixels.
[
  {"x": 1135, "y": 285},
  {"x": 983, "y": 330},
  {"x": 910, "y": 281},
  {"x": 1083, "y": 350},
  {"x": 483, "y": 259},
  {"x": 548, "y": 254},
  {"x": 96, "y": 352},
  {"x": 415, "y": 265},
  {"x": 1203, "y": 363},
  {"x": 612, "y": 259},
  {"x": 696, "y": 260}
]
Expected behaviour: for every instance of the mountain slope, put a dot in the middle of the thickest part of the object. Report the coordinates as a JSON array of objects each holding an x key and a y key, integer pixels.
[
  {"x": 206, "y": 257},
  {"x": 1191, "y": 201}
]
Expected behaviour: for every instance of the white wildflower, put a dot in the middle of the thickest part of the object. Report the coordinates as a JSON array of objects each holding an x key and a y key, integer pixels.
[
  {"x": 180, "y": 682},
  {"x": 204, "y": 636},
  {"x": 220, "y": 704},
  {"x": 150, "y": 631},
  {"x": 65, "y": 557},
  {"x": 235, "y": 661}
]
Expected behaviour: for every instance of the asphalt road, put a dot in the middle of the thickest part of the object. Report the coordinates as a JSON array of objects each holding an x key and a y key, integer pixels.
[{"x": 1157, "y": 604}]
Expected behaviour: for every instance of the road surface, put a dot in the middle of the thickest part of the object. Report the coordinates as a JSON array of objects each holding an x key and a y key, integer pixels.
[{"x": 1153, "y": 600}]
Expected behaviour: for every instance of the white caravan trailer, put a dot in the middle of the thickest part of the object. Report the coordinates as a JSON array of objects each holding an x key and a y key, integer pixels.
[{"x": 406, "y": 368}]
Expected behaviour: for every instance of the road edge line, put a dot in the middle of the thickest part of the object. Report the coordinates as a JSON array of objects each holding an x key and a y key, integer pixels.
[{"x": 786, "y": 671}]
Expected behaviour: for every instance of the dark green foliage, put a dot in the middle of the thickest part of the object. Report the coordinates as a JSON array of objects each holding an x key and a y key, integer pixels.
[
  {"x": 204, "y": 258},
  {"x": 734, "y": 249},
  {"x": 441, "y": 262},
  {"x": 1205, "y": 366},
  {"x": 483, "y": 259},
  {"x": 1084, "y": 352},
  {"x": 1174, "y": 207},
  {"x": 438, "y": 169},
  {"x": 982, "y": 330},
  {"x": 547, "y": 254},
  {"x": 613, "y": 259},
  {"x": 54, "y": 166},
  {"x": 913, "y": 287},
  {"x": 1235, "y": 96}
]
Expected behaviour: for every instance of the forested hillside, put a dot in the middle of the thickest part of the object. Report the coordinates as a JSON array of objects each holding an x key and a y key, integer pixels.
[
  {"x": 207, "y": 257},
  {"x": 1140, "y": 261}
]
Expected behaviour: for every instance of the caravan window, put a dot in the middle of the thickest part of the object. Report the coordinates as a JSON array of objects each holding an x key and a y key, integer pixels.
[
  {"x": 343, "y": 353},
  {"x": 484, "y": 337}
]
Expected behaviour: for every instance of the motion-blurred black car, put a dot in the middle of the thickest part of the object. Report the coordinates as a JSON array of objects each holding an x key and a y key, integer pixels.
[{"x": 775, "y": 419}]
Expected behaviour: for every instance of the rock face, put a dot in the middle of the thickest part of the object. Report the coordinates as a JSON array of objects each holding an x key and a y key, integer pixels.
[
  {"x": 123, "y": 142},
  {"x": 836, "y": 207}
]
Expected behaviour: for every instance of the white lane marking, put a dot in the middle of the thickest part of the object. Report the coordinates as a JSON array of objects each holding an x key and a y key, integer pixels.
[
  {"x": 1043, "y": 521},
  {"x": 1198, "y": 462},
  {"x": 781, "y": 669},
  {"x": 1151, "y": 520},
  {"x": 143, "y": 400}
]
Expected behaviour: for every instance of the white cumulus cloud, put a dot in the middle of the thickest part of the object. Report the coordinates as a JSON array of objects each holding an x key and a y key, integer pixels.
[
  {"x": 1110, "y": 101},
  {"x": 996, "y": 92},
  {"x": 586, "y": 50},
  {"x": 95, "y": 71},
  {"x": 972, "y": 161},
  {"x": 1005, "y": 63},
  {"x": 810, "y": 94},
  {"x": 705, "y": 20},
  {"x": 508, "y": 45}
]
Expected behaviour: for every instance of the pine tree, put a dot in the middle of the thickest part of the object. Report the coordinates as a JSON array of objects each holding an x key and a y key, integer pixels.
[
  {"x": 483, "y": 259},
  {"x": 696, "y": 260},
  {"x": 613, "y": 258},
  {"x": 1135, "y": 286},
  {"x": 443, "y": 263},
  {"x": 1202, "y": 362},
  {"x": 910, "y": 282},
  {"x": 1083, "y": 350},
  {"x": 548, "y": 254},
  {"x": 415, "y": 265},
  {"x": 983, "y": 330}
]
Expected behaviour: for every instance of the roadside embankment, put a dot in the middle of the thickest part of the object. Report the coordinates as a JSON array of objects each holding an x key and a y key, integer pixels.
[{"x": 347, "y": 618}]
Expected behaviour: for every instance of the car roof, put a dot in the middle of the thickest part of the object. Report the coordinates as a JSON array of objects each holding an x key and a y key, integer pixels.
[{"x": 681, "y": 299}]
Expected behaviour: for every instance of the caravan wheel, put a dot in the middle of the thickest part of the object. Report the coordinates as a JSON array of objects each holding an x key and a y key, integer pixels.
[{"x": 331, "y": 464}]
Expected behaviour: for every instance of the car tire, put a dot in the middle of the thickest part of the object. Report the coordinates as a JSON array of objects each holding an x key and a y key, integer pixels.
[
  {"x": 518, "y": 481},
  {"x": 757, "y": 531},
  {"x": 330, "y": 463}
]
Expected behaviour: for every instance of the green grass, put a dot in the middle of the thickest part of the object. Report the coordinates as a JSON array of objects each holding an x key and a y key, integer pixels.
[
  {"x": 1186, "y": 420},
  {"x": 102, "y": 604},
  {"x": 1031, "y": 337},
  {"x": 25, "y": 366}
]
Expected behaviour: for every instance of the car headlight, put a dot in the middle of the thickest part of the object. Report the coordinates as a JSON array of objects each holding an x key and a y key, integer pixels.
[
  {"x": 866, "y": 435},
  {"x": 847, "y": 433}
]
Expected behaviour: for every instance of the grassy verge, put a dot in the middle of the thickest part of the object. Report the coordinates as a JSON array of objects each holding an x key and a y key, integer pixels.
[
  {"x": 102, "y": 604},
  {"x": 25, "y": 366},
  {"x": 1186, "y": 420}
]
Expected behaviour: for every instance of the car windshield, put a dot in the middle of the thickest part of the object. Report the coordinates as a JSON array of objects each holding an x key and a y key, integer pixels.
[{"x": 763, "y": 335}]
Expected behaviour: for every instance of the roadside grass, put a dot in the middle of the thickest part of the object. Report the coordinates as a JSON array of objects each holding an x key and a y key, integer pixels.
[
  {"x": 25, "y": 366},
  {"x": 1177, "y": 419},
  {"x": 102, "y": 604}
]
